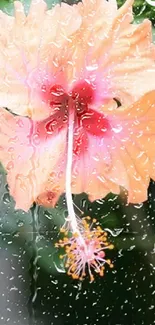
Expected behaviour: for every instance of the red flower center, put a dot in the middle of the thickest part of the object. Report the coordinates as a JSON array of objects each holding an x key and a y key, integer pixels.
[
  {"x": 80, "y": 99},
  {"x": 87, "y": 120}
]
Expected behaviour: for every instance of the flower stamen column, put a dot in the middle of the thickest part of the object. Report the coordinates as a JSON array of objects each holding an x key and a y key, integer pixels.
[{"x": 84, "y": 248}]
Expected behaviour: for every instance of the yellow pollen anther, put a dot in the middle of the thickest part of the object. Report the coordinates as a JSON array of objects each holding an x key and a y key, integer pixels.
[
  {"x": 111, "y": 265},
  {"x": 88, "y": 218},
  {"x": 91, "y": 278},
  {"x": 62, "y": 230},
  {"x": 85, "y": 250},
  {"x": 111, "y": 246}
]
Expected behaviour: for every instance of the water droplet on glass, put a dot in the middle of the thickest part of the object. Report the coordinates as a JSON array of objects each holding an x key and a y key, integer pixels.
[
  {"x": 6, "y": 198},
  {"x": 48, "y": 215},
  {"x": 138, "y": 206},
  {"x": 131, "y": 248},
  {"x": 114, "y": 232},
  {"x": 20, "y": 223},
  {"x": 7, "y": 187},
  {"x": 59, "y": 267},
  {"x": 14, "y": 289}
]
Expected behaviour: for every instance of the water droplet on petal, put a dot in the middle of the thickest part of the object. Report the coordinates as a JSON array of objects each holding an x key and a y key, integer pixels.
[
  {"x": 92, "y": 67},
  {"x": 50, "y": 126},
  {"x": 14, "y": 139},
  {"x": 91, "y": 42},
  {"x": 43, "y": 88},
  {"x": 117, "y": 129},
  {"x": 36, "y": 139},
  {"x": 10, "y": 165},
  {"x": 11, "y": 149},
  {"x": 20, "y": 123}
]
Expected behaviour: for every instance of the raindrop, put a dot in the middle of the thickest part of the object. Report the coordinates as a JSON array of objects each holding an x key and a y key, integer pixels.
[
  {"x": 60, "y": 268},
  {"x": 20, "y": 123},
  {"x": 91, "y": 42},
  {"x": 92, "y": 67},
  {"x": 138, "y": 206},
  {"x": 131, "y": 248},
  {"x": 117, "y": 129},
  {"x": 43, "y": 88},
  {"x": 10, "y": 242},
  {"x": 114, "y": 232},
  {"x": 20, "y": 223},
  {"x": 14, "y": 289},
  {"x": 14, "y": 140},
  {"x": 11, "y": 149},
  {"x": 36, "y": 139},
  {"x": 6, "y": 198},
  {"x": 7, "y": 187},
  {"x": 10, "y": 165},
  {"x": 50, "y": 126},
  {"x": 48, "y": 215}
]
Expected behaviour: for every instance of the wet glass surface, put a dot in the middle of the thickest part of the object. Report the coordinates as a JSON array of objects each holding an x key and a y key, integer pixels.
[{"x": 34, "y": 286}]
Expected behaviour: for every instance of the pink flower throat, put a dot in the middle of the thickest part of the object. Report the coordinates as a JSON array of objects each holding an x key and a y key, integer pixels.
[{"x": 80, "y": 100}]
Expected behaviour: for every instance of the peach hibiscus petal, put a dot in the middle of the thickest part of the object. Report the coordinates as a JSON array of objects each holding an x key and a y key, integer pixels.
[
  {"x": 121, "y": 158},
  {"x": 136, "y": 63},
  {"x": 28, "y": 55},
  {"x": 28, "y": 156},
  {"x": 117, "y": 54}
]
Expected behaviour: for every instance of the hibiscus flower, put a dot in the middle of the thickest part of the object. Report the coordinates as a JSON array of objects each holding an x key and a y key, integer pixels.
[{"x": 82, "y": 80}]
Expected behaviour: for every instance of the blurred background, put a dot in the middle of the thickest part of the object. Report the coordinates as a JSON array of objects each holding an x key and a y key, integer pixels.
[{"x": 34, "y": 288}]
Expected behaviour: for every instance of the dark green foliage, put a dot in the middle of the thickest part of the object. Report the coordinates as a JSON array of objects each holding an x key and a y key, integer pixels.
[{"x": 142, "y": 9}]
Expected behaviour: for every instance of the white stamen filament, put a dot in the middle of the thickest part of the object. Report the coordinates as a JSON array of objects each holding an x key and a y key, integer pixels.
[{"x": 71, "y": 212}]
